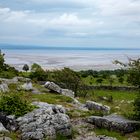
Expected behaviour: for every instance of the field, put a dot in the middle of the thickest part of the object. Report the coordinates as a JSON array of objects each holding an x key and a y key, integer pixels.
[
  {"x": 90, "y": 80},
  {"x": 121, "y": 103}
]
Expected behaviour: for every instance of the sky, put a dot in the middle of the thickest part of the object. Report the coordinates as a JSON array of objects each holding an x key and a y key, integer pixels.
[{"x": 71, "y": 23}]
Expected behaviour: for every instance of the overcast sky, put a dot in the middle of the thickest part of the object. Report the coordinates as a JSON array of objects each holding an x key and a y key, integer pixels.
[{"x": 72, "y": 23}]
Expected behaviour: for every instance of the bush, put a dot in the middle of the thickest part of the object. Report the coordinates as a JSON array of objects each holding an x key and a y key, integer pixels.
[
  {"x": 6, "y": 71},
  {"x": 25, "y": 67},
  {"x": 13, "y": 104},
  {"x": 1, "y": 60},
  {"x": 133, "y": 67},
  {"x": 8, "y": 74},
  {"x": 37, "y": 73},
  {"x": 137, "y": 108},
  {"x": 67, "y": 78}
]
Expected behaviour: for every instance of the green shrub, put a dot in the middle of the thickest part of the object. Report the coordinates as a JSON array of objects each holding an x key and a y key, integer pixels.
[
  {"x": 67, "y": 78},
  {"x": 6, "y": 71},
  {"x": 25, "y": 67},
  {"x": 37, "y": 73},
  {"x": 137, "y": 108},
  {"x": 7, "y": 74},
  {"x": 14, "y": 104}
]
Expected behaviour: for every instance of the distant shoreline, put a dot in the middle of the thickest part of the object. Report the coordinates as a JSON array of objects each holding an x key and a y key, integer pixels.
[{"x": 74, "y": 59}]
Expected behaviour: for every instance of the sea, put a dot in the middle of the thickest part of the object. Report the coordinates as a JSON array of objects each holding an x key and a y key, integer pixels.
[{"x": 77, "y": 58}]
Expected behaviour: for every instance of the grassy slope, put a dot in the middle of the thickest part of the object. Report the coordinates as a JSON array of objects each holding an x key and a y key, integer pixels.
[{"x": 120, "y": 98}]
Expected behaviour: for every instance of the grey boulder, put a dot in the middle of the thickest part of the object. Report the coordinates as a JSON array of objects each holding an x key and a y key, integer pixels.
[
  {"x": 91, "y": 105},
  {"x": 115, "y": 122},
  {"x": 14, "y": 80},
  {"x": 27, "y": 86},
  {"x": 3, "y": 129},
  {"x": 4, "y": 88},
  {"x": 44, "y": 122},
  {"x": 54, "y": 87}
]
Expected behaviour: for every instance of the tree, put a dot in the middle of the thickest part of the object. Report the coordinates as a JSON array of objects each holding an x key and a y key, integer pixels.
[
  {"x": 25, "y": 67},
  {"x": 99, "y": 81},
  {"x": 37, "y": 73},
  {"x": 133, "y": 67},
  {"x": 68, "y": 78},
  {"x": 6, "y": 71},
  {"x": 1, "y": 61},
  {"x": 35, "y": 67},
  {"x": 121, "y": 80},
  {"x": 111, "y": 79}
]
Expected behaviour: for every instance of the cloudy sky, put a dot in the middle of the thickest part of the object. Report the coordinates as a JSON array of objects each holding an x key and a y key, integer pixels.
[{"x": 86, "y": 23}]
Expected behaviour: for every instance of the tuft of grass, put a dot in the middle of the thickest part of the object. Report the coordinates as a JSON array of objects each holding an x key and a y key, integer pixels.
[
  {"x": 109, "y": 133},
  {"x": 52, "y": 98},
  {"x": 133, "y": 136},
  {"x": 79, "y": 113},
  {"x": 12, "y": 86},
  {"x": 12, "y": 135}
]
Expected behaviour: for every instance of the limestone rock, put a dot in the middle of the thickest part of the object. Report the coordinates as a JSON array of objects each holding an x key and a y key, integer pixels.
[
  {"x": 85, "y": 131},
  {"x": 115, "y": 122},
  {"x": 27, "y": 86},
  {"x": 103, "y": 137},
  {"x": 54, "y": 87},
  {"x": 21, "y": 79},
  {"x": 5, "y": 138},
  {"x": 46, "y": 121},
  {"x": 4, "y": 87},
  {"x": 91, "y": 105},
  {"x": 95, "y": 138},
  {"x": 14, "y": 80},
  {"x": 36, "y": 91},
  {"x": 3, "y": 129},
  {"x": 9, "y": 122},
  {"x": 67, "y": 92},
  {"x": 8, "y": 81}
]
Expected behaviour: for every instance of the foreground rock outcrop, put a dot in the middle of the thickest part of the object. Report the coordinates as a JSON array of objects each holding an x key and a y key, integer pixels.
[
  {"x": 44, "y": 122},
  {"x": 14, "y": 80},
  {"x": 85, "y": 131},
  {"x": 54, "y": 87},
  {"x": 115, "y": 122},
  {"x": 91, "y": 105}
]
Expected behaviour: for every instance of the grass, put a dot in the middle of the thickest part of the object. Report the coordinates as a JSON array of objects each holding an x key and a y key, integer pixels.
[
  {"x": 92, "y": 81},
  {"x": 109, "y": 133},
  {"x": 75, "y": 113},
  {"x": 122, "y": 100},
  {"x": 12, "y": 135},
  {"x": 132, "y": 136},
  {"x": 52, "y": 98}
]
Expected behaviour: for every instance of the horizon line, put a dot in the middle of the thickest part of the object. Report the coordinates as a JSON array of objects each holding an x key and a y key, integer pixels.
[{"x": 37, "y": 47}]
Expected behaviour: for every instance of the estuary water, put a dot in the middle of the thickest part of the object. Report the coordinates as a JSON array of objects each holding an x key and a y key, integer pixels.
[{"x": 75, "y": 58}]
